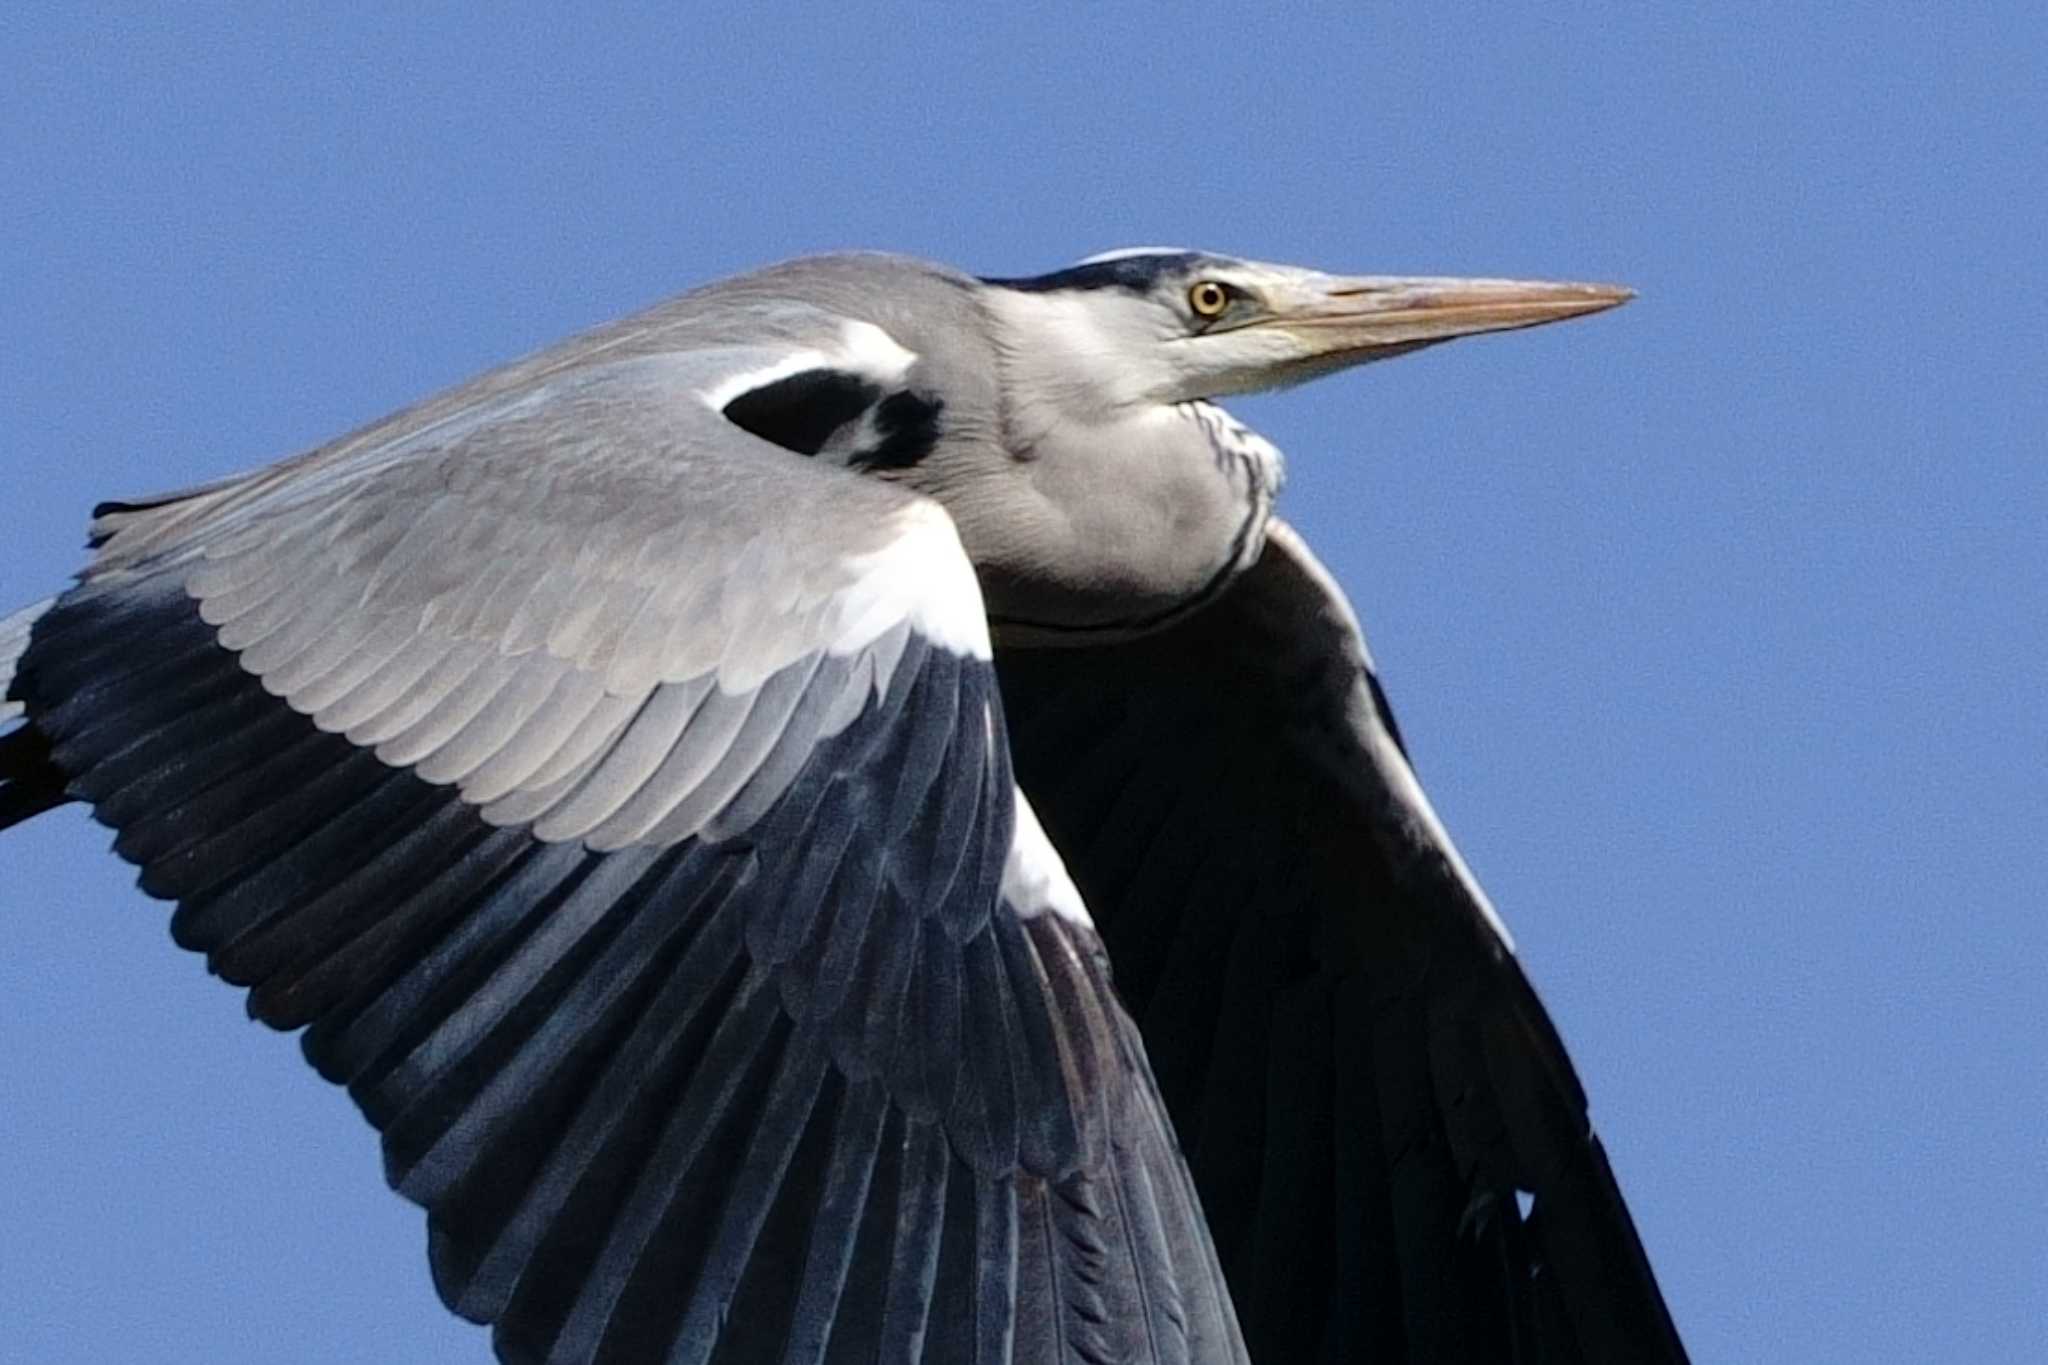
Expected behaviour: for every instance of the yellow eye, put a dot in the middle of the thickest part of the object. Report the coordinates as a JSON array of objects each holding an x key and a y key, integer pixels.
[{"x": 1208, "y": 299}]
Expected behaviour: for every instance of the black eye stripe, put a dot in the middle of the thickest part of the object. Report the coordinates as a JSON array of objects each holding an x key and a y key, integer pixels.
[{"x": 1139, "y": 274}]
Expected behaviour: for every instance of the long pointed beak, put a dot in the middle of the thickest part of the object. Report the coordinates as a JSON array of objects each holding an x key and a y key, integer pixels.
[
  {"x": 1308, "y": 324},
  {"x": 1349, "y": 315}
]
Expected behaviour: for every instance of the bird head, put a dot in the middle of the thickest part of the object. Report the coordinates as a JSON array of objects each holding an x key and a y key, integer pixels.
[{"x": 1154, "y": 325}]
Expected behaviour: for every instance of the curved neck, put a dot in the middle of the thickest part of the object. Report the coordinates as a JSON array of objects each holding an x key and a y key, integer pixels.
[{"x": 1106, "y": 528}]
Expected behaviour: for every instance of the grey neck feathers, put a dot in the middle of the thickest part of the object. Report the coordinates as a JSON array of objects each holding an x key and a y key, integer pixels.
[{"x": 1090, "y": 521}]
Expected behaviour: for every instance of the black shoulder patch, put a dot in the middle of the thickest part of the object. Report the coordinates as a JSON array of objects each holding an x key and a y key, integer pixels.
[
  {"x": 906, "y": 430},
  {"x": 1137, "y": 274},
  {"x": 801, "y": 412}
]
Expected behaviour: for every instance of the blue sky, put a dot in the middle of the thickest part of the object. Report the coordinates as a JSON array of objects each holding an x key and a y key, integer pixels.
[{"x": 1716, "y": 625}]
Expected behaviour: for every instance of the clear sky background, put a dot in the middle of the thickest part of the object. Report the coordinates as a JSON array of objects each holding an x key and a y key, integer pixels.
[{"x": 1716, "y": 625}]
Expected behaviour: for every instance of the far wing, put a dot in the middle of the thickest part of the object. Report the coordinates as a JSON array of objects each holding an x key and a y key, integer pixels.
[
  {"x": 1360, "y": 1073},
  {"x": 624, "y": 805}
]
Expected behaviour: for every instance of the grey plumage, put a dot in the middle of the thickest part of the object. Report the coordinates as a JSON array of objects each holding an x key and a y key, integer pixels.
[
  {"x": 14, "y": 633},
  {"x": 610, "y": 763}
]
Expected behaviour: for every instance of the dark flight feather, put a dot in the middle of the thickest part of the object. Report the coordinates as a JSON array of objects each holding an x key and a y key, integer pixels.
[
  {"x": 813, "y": 1093},
  {"x": 1361, "y": 1076}
]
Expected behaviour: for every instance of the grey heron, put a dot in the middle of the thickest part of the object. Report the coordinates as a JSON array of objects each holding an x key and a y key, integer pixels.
[{"x": 828, "y": 821}]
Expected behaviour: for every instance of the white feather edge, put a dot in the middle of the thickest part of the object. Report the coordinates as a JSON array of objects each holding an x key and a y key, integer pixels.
[
  {"x": 732, "y": 386},
  {"x": 864, "y": 349},
  {"x": 1380, "y": 747},
  {"x": 14, "y": 638},
  {"x": 921, "y": 576},
  {"x": 1035, "y": 879},
  {"x": 1125, "y": 252}
]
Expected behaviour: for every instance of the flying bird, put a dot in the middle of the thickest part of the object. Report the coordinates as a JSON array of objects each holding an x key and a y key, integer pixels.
[{"x": 829, "y": 821}]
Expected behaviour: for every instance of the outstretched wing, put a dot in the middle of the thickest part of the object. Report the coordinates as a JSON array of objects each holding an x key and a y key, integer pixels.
[
  {"x": 624, "y": 806},
  {"x": 1361, "y": 1075}
]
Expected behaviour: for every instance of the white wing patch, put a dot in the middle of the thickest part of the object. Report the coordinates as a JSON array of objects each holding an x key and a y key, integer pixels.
[
  {"x": 872, "y": 352},
  {"x": 922, "y": 577},
  {"x": 864, "y": 349},
  {"x": 746, "y": 381},
  {"x": 1124, "y": 252},
  {"x": 1035, "y": 877}
]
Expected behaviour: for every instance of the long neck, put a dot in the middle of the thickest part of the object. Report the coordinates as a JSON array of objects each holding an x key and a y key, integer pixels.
[
  {"x": 1095, "y": 530},
  {"x": 1091, "y": 508}
]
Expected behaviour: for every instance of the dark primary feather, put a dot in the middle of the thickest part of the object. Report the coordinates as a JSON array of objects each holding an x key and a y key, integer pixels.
[
  {"x": 1361, "y": 1076},
  {"x": 815, "y": 1093},
  {"x": 29, "y": 783}
]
